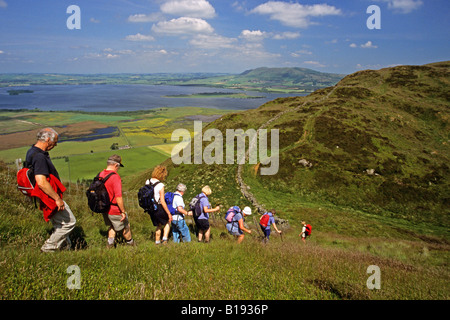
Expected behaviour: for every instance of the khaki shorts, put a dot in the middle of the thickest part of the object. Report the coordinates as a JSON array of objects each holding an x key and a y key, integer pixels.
[{"x": 114, "y": 221}]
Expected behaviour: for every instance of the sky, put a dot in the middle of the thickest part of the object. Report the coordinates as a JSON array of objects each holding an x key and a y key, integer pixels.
[{"x": 226, "y": 36}]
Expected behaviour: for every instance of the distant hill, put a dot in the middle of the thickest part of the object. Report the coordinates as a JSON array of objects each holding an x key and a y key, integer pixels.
[
  {"x": 289, "y": 80},
  {"x": 293, "y": 76},
  {"x": 377, "y": 141}
]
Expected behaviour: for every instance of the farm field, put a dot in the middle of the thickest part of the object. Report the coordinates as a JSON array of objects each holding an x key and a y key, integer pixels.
[{"x": 142, "y": 138}]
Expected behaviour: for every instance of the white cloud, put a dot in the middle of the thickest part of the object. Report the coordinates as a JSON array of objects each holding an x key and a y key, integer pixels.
[
  {"x": 404, "y": 6},
  {"x": 300, "y": 53},
  {"x": 153, "y": 17},
  {"x": 3, "y": 4},
  {"x": 314, "y": 64},
  {"x": 139, "y": 37},
  {"x": 295, "y": 14},
  {"x": 1, "y": 52},
  {"x": 183, "y": 25},
  {"x": 189, "y": 8},
  {"x": 214, "y": 41},
  {"x": 368, "y": 45},
  {"x": 256, "y": 35},
  {"x": 93, "y": 20},
  {"x": 286, "y": 35}
]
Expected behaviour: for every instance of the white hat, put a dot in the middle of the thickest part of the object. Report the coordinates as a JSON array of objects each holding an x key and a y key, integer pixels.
[{"x": 247, "y": 211}]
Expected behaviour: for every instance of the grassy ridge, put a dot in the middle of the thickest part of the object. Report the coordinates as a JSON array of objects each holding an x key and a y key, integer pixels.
[{"x": 376, "y": 142}]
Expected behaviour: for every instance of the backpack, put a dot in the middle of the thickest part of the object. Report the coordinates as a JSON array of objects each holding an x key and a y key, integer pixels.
[
  {"x": 264, "y": 221},
  {"x": 169, "y": 196},
  {"x": 98, "y": 197},
  {"x": 195, "y": 206},
  {"x": 308, "y": 230},
  {"x": 231, "y": 213},
  {"x": 26, "y": 181},
  {"x": 146, "y": 198}
]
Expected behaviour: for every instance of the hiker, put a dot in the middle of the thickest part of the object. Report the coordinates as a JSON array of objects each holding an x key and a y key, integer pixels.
[
  {"x": 268, "y": 219},
  {"x": 235, "y": 224},
  {"x": 162, "y": 218},
  {"x": 202, "y": 221},
  {"x": 116, "y": 219},
  {"x": 179, "y": 226},
  {"x": 306, "y": 231},
  {"x": 49, "y": 190}
]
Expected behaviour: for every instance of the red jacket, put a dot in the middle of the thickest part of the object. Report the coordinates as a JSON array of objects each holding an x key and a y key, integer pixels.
[{"x": 48, "y": 205}]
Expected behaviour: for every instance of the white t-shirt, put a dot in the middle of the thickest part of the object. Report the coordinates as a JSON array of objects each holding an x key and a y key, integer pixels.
[
  {"x": 178, "y": 202},
  {"x": 157, "y": 189}
]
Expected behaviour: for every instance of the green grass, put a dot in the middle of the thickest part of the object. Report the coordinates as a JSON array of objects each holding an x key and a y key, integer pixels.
[{"x": 88, "y": 165}]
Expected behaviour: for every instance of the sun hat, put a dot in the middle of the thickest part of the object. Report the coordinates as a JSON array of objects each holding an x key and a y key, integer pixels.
[{"x": 247, "y": 211}]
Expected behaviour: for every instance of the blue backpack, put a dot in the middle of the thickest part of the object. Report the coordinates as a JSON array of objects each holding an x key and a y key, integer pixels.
[
  {"x": 169, "y": 201},
  {"x": 146, "y": 197}
]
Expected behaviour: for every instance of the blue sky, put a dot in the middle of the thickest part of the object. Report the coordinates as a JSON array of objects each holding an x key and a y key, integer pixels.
[{"x": 150, "y": 36}]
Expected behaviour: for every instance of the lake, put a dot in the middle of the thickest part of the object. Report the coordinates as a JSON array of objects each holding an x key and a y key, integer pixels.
[{"x": 110, "y": 98}]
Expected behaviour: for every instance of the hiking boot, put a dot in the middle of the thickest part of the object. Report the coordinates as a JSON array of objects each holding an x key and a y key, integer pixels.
[{"x": 132, "y": 243}]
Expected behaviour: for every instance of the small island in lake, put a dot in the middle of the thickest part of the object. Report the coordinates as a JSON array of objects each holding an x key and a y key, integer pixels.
[
  {"x": 17, "y": 92},
  {"x": 215, "y": 95}
]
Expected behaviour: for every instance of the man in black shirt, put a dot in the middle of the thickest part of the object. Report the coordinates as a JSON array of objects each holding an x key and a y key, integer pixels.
[{"x": 62, "y": 218}]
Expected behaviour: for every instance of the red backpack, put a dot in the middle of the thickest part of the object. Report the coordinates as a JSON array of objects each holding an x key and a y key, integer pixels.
[
  {"x": 264, "y": 221},
  {"x": 308, "y": 229},
  {"x": 26, "y": 181}
]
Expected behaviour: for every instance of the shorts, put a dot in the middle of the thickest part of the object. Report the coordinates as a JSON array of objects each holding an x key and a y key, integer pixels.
[
  {"x": 202, "y": 224},
  {"x": 114, "y": 221},
  {"x": 160, "y": 217},
  {"x": 233, "y": 229}
]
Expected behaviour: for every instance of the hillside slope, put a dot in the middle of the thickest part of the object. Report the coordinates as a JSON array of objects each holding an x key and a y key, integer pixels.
[{"x": 378, "y": 141}]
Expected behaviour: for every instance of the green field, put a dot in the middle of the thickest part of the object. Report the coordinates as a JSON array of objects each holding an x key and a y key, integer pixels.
[
  {"x": 87, "y": 166},
  {"x": 143, "y": 137}
]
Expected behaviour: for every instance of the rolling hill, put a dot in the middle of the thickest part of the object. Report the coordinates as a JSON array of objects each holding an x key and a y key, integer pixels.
[
  {"x": 377, "y": 141},
  {"x": 290, "y": 80}
]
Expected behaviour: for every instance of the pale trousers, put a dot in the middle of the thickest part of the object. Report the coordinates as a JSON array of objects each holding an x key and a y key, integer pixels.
[{"x": 63, "y": 223}]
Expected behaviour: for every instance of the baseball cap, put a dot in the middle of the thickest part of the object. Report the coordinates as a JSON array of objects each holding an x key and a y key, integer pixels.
[{"x": 116, "y": 158}]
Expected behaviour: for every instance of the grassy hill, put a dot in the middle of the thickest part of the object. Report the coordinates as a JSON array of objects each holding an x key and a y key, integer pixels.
[
  {"x": 374, "y": 187},
  {"x": 378, "y": 141}
]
